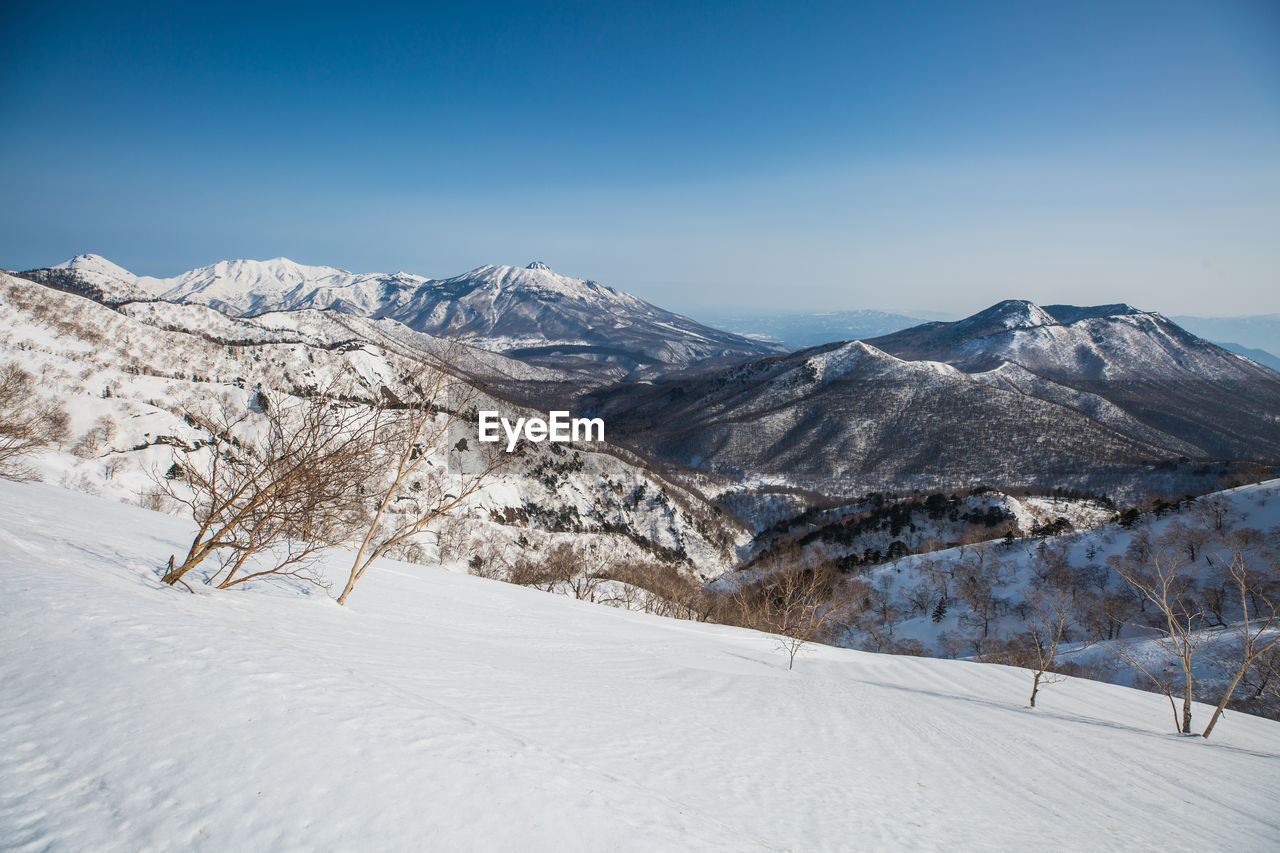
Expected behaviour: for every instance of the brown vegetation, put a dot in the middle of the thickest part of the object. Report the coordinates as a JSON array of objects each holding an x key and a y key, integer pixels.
[{"x": 28, "y": 422}]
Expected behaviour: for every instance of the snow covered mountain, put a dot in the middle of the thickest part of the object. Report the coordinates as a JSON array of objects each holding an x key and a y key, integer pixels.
[
  {"x": 1015, "y": 395},
  {"x": 1227, "y": 405},
  {"x": 1104, "y": 342},
  {"x": 246, "y": 287},
  {"x": 531, "y": 313},
  {"x": 111, "y": 282},
  {"x": 539, "y": 315}
]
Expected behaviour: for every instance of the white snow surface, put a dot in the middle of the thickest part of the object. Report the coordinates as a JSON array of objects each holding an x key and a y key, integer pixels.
[{"x": 443, "y": 711}]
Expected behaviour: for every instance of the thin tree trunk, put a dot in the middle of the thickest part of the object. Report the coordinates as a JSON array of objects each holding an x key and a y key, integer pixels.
[
  {"x": 1035, "y": 687},
  {"x": 1186, "y": 704},
  {"x": 173, "y": 575},
  {"x": 356, "y": 570}
]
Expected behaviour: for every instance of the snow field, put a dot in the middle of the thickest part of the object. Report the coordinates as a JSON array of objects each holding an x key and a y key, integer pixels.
[{"x": 445, "y": 711}]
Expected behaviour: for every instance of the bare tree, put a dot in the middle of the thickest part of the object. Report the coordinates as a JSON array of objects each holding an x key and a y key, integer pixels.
[
  {"x": 1049, "y": 611},
  {"x": 799, "y": 604},
  {"x": 883, "y": 603},
  {"x": 662, "y": 589},
  {"x": 921, "y": 598},
  {"x": 1046, "y": 617},
  {"x": 1159, "y": 571},
  {"x": 979, "y": 579},
  {"x": 416, "y": 491},
  {"x": 280, "y": 484},
  {"x": 28, "y": 422},
  {"x": 1253, "y": 574},
  {"x": 102, "y": 431}
]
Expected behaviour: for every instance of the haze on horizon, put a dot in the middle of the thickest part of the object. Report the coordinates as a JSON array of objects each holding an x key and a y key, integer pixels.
[{"x": 928, "y": 156}]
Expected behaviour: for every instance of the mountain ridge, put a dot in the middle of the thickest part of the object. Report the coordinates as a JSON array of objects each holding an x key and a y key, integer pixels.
[{"x": 533, "y": 311}]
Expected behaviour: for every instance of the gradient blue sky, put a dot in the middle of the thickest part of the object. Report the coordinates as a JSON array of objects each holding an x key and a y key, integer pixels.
[{"x": 799, "y": 156}]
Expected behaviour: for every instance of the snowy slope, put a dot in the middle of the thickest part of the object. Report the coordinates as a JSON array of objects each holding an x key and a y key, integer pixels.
[
  {"x": 251, "y": 287},
  {"x": 445, "y": 711},
  {"x": 1256, "y": 505},
  {"x": 332, "y": 330},
  {"x": 527, "y": 310},
  {"x": 248, "y": 286}
]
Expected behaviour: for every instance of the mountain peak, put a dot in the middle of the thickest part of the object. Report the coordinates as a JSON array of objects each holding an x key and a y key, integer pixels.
[
  {"x": 92, "y": 263},
  {"x": 538, "y": 265},
  {"x": 1009, "y": 314}
]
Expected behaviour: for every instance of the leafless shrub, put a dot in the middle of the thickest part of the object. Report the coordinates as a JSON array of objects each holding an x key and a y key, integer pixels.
[
  {"x": 1261, "y": 681},
  {"x": 408, "y": 552},
  {"x": 952, "y": 643},
  {"x": 561, "y": 568},
  {"x": 882, "y": 603},
  {"x": 978, "y": 576},
  {"x": 1094, "y": 669},
  {"x": 102, "y": 431},
  {"x": 1047, "y": 618},
  {"x": 664, "y": 590},
  {"x": 910, "y": 647},
  {"x": 453, "y": 533},
  {"x": 79, "y": 482},
  {"x": 1016, "y": 650},
  {"x": 801, "y": 604},
  {"x": 156, "y": 499},
  {"x": 282, "y": 492},
  {"x": 28, "y": 422}
]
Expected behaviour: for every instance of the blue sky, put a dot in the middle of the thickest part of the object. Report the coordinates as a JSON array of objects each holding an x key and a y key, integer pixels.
[{"x": 807, "y": 156}]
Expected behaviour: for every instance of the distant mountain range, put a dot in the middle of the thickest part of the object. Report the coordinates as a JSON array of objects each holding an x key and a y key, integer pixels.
[
  {"x": 532, "y": 313},
  {"x": 1259, "y": 331},
  {"x": 1261, "y": 356},
  {"x": 1101, "y": 397}
]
